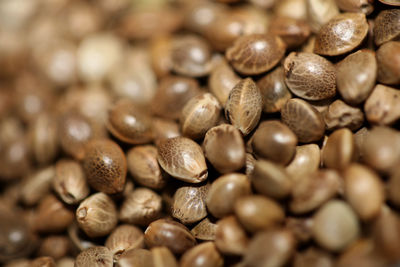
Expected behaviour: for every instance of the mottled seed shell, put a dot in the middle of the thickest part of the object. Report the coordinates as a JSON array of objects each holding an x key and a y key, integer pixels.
[
  {"x": 105, "y": 166},
  {"x": 205, "y": 254},
  {"x": 387, "y": 26},
  {"x": 124, "y": 238},
  {"x": 310, "y": 76},
  {"x": 341, "y": 34},
  {"x": 304, "y": 120},
  {"x": 388, "y": 57},
  {"x": 96, "y": 257},
  {"x": 340, "y": 150},
  {"x": 204, "y": 230},
  {"x": 230, "y": 237},
  {"x": 97, "y": 215},
  {"x": 256, "y": 53},
  {"x": 244, "y": 106},
  {"x": 183, "y": 159}
]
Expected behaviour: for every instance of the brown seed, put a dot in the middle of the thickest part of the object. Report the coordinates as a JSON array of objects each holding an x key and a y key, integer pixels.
[
  {"x": 291, "y": 8},
  {"x": 393, "y": 187},
  {"x": 225, "y": 191},
  {"x": 359, "y": 139},
  {"x": 224, "y": 148},
  {"x": 320, "y": 12},
  {"x": 341, "y": 34},
  {"x": 390, "y": 2},
  {"x": 199, "y": 114},
  {"x": 335, "y": 226},
  {"x": 274, "y": 141},
  {"x": 271, "y": 179},
  {"x": 274, "y": 90},
  {"x": 313, "y": 257},
  {"x": 129, "y": 124},
  {"x": 190, "y": 203},
  {"x": 310, "y": 76},
  {"x": 250, "y": 162},
  {"x": 97, "y": 215},
  {"x": 163, "y": 257},
  {"x": 70, "y": 181},
  {"x": 364, "y": 191},
  {"x": 203, "y": 255},
  {"x": 357, "y": 6},
  {"x": 388, "y": 57},
  {"x": 293, "y": 32},
  {"x": 36, "y": 186},
  {"x": 383, "y": 105},
  {"x": 257, "y": 213},
  {"x": 79, "y": 239},
  {"x": 144, "y": 168},
  {"x": 183, "y": 159},
  {"x": 105, "y": 166},
  {"x": 300, "y": 227},
  {"x": 356, "y": 76},
  {"x": 160, "y": 55},
  {"x": 304, "y": 120},
  {"x": 256, "y": 53},
  {"x": 387, "y": 26},
  {"x": 141, "y": 207},
  {"x": 313, "y": 190},
  {"x": 204, "y": 230},
  {"x": 339, "y": 151},
  {"x": 244, "y": 106},
  {"x": 164, "y": 129},
  {"x": 171, "y": 234},
  {"x": 96, "y": 257},
  {"x": 341, "y": 115},
  {"x": 124, "y": 238},
  {"x": 136, "y": 258},
  {"x": 306, "y": 160},
  {"x": 230, "y": 238},
  {"x": 55, "y": 246},
  {"x": 43, "y": 262}
]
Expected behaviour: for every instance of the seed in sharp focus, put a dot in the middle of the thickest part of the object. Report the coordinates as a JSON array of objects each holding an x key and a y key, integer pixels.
[
  {"x": 204, "y": 230},
  {"x": 341, "y": 115},
  {"x": 387, "y": 26},
  {"x": 97, "y": 215},
  {"x": 183, "y": 159},
  {"x": 340, "y": 150},
  {"x": 304, "y": 120},
  {"x": 256, "y": 53},
  {"x": 244, "y": 106},
  {"x": 96, "y": 257},
  {"x": 105, "y": 166},
  {"x": 341, "y": 34},
  {"x": 230, "y": 237},
  {"x": 124, "y": 238},
  {"x": 202, "y": 255},
  {"x": 310, "y": 76},
  {"x": 388, "y": 57}
]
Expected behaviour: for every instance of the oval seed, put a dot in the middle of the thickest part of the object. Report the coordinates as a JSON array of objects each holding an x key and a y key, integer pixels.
[
  {"x": 136, "y": 258},
  {"x": 163, "y": 257},
  {"x": 387, "y": 26},
  {"x": 293, "y": 32},
  {"x": 357, "y": 6},
  {"x": 388, "y": 57},
  {"x": 204, "y": 230},
  {"x": 306, "y": 160},
  {"x": 124, "y": 238},
  {"x": 230, "y": 237},
  {"x": 339, "y": 151},
  {"x": 203, "y": 255},
  {"x": 390, "y": 2},
  {"x": 96, "y": 257},
  {"x": 320, "y": 12}
]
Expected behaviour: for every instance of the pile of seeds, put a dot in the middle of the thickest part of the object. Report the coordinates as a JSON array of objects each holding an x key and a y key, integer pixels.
[{"x": 165, "y": 133}]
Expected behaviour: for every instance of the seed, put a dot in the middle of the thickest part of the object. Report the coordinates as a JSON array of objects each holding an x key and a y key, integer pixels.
[
  {"x": 386, "y": 26},
  {"x": 300, "y": 227},
  {"x": 79, "y": 239},
  {"x": 190, "y": 203},
  {"x": 43, "y": 262},
  {"x": 293, "y": 32},
  {"x": 313, "y": 257},
  {"x": 183, "y": 159},
  {"x": 200, "y": 15},
  {"x": 356, "y": 76},
  {"x": 230, "y": 238},
  {"x": 96, "y": 257},
  {"x": 144, "y": 168},
  {"x": 304, "y": 120},
  {"x": 244, "y": 106},
  {"x": 357, "y": 6},
  {"x": 164, "y": 129},
  {"x": 162, "y": 257},
  {"x": 341, "y": 115},
  {"x": 339, "y": 151},
  {"x": 198, "y": 115},
  {"x": 160, "y": 55},
  {"x": 295, "y": 9},
  {"x": 105, "y": 166},
  {"x": 320, "y": 12},
  {"x": 36, "y": 186},
  {"x": 393, "y": 187},
  {"x": 274, "y": 141},
  {"x": 55, "y": 246},
  {"x": 129, "y": 124},
  {"x": 250, "y": 162},
  {"x": 124, "y": 238},
  {"x": 341, "y": 34},
  {"x": 225, "y": 191},
  {"x": 141, "y": 207},
  {"x": 310, "y": 76},
  {"x": 335, "y": 225},
  {"x": 204, "y": 230},
  {"x": 205, "y": 254},
  {"x": 388, "y": 57},
  {"x": 97, "y": 215},
  {"x": 70, "y": 182},
  {"x": 224, "y": 148},
  {"x": 364, "y": 191},
  {"x": 390, "y": 2},
  {"x": 306, "y": 160},
  {"x": 255, "y": 53},
  {"x": 171, "y": 234},
  {"x": 136, "y": 258}
]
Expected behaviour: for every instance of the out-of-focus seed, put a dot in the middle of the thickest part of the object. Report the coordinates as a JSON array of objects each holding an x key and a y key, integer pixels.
[
  {"x": 313, "y": 257},
  {"x": 293, "y": 32},
  {"x": 230, "y": 238},
  {"x": 204, "y": 230},
  {"x": 357, "y": 6},
  {"x": 136, "y": 258},
  {"x": 341, "y": 115},
  {"x": 320, "y": 12},
  {"x": 55, "y": 246},
  {"x": 37, "y": 186},
  {"x": 163, "y": 257},
  {"x": 202, "y": 255},
  {"x": 339, "y": 151},
  {"x": 383, "y": 105},
  {"x": 388, "y": 57},
  {"x": 306, "y": 160}
]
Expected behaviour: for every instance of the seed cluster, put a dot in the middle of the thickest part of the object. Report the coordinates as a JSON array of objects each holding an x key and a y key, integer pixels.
[{"x": 199, "y": 133}]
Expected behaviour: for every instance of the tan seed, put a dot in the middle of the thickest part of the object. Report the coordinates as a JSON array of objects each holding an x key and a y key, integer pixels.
[
  {"x": 339, "y": 151},
  {"x": 205, "y": 254},
  {"x": 388, "y": 57},
  {"x": 230, "y": 237},
  {"x": 124, "y": 238},
  {"x": 386, "y": 26}
]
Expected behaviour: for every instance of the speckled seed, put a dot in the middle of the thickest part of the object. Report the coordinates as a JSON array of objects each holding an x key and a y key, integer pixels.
[
  {"x": 274, "y": 141},
  {"x": 335, "y": 226},
  {"x": 357, "y": 6},
  {"x": 340, "y": 150},
  {"x": 96, "y": 257},
  {"x": 124, "y": 238},
  {"x": 199, "y": 114},
  {"x": 204, "y": 230},
  {"x": 310, "y": 76},
  {"x": 319, "y": 12},
  {"x": 171, "y": 234},
  {"x": 230, "y": 237},
  {"x": 356, "y": 76},
  {"x": 244, "y": 106},
  {"x": 255, "y": 53},
  {"x": 387, "y": 26},
  {"x": 129, "y": 124},
  {"x": 364, "y": 191},
  {"x": 105, "y": 166},
  {"x": 97, "y": 215},
  {"x": 341, "y": 115},
  {"x": 293, "y": 32},
  {"x": 190, "y": 203},
  {"x": 203, "y": 255},
  {"x": 136, "y": 258},
  {"x": 388, "y": 57},
  {"x": 163, "y": 257},
  {"x": 383, "y": 105},
  {"x": 304, "y": 120},
  {"x": 271, "y": 179},
  {"x": 141, "y": 207},
  {"x": 341, "y": 34},
  {"x": 183, "y": 159},
  {"x": 144, "y": 168},
  {"x": 306, "y": 160},
  {"x": 224, "y": 148}
]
